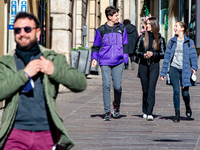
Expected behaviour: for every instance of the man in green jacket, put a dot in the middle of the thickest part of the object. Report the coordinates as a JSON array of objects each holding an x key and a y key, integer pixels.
[{"x": 29, "y": 80}]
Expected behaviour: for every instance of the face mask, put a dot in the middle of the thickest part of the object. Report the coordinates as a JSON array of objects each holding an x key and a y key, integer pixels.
[{"x": 29, "y": 86}]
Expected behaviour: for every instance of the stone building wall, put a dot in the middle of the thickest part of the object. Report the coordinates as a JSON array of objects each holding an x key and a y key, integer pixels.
[
  {"x": 94, "y": 15},
  {"x": 61, "y": 33},
  {"x": 68, "y": 18}
]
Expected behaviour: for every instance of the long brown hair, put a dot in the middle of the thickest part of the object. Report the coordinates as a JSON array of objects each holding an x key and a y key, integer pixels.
[
  {"x": 184, "y": 25},
  {"x": 155, "y": 30}
]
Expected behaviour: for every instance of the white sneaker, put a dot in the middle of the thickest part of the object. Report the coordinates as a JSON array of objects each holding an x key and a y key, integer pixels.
[
  {"x": 144, "y": 116},
  {"x": 149, "y": 118}
]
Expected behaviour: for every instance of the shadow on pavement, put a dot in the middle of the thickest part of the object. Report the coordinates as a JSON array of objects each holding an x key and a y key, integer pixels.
[
  {"x": 98, "y": 115},
  {"x": 172, "y": 117},
  {"x": 141, "y": 116},
  {"x": 121, "y": 116},
  {"x": 167, "y": 140},
  {"x": 103, "y": 115}
]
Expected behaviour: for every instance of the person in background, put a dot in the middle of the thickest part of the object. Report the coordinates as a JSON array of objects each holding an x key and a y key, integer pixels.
[
  {"x": 30, "y": 76},
  {"x": 132, "y": 38},
  {"x": 110, "y": 48},
  {"x": 144, "y": 26},
  {"x": 180, "y": 61},
  {"x": 150, "y": 48}
]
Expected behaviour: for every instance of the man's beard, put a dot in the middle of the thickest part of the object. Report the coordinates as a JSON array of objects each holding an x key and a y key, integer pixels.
[{"x": 27, "y": 47}]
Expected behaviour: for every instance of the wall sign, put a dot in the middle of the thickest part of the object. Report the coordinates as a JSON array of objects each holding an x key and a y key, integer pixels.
[{"x": 15, "y": 7}]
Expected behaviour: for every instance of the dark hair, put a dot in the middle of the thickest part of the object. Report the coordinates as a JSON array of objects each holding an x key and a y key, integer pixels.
[
  {"x": 29, "y": 16},
  {"x": 184, "y": 25},
  {"x": 145, "y": 22},
  {"x": 126, "y": 21},
  {"x": 155, "y": 30},
  {"x": 110, "y": 11}
]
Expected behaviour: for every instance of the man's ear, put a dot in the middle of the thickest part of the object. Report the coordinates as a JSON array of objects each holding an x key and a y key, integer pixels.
[
  {"x": 38, "y": 32},
  {"x": 109, "y": 17}
]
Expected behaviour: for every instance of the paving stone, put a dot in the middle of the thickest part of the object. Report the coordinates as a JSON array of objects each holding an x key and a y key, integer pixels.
[{"x": 83, "y": 114}]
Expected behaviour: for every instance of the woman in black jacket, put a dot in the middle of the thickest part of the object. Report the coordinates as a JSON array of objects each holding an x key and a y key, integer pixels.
[{"x": 150, "y": 48}]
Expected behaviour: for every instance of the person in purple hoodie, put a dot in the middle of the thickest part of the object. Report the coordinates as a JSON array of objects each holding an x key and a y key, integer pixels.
[{"x": 110, "y": 48}]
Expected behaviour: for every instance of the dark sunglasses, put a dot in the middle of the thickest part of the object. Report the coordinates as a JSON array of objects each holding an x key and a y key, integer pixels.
[{"x": 27, "y": 29}]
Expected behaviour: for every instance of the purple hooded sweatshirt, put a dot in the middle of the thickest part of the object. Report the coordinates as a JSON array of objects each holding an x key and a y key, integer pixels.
[{"x": 110, "y": 46}]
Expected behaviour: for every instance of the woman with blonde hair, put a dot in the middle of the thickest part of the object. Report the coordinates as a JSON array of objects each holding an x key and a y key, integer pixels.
[
  {"x": 180, "y": 61},
  {"x": 149, "y": 48}
]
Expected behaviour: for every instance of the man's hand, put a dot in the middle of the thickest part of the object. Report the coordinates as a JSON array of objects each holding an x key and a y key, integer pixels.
[
  {"x": 94, "y": 63},
  {"x": 46, "y": 66},
  {"x": 32, "y": 68}
]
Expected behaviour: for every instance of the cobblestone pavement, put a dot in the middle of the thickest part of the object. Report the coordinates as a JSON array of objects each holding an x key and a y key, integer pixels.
[
  {"x": 83, "y": 117},
  {"x": 83, "y": 114}
]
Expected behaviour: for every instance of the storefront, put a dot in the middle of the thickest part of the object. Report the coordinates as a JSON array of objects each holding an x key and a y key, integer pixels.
[
  {"x": 197, "y": 24},
  {"x": 194, "y": 21},
  {"x": 187, "y": 12}
]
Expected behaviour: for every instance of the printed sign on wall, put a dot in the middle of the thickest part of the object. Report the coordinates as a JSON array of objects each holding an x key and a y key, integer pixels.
[
  {"x": 13, "y": 12},
  {"x": 16, "y": 6},
  {"x": 23, "y": 5}
]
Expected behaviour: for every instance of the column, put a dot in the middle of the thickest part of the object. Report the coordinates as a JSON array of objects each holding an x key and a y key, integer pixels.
[
  {"x": 60, "y": 12},
  {"x": 92, "y": 21}
]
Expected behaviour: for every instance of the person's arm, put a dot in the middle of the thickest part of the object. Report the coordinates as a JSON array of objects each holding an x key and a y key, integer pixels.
[
  {"x": 166, "y": 60},
  {"x": 68, "y": 76},
  {"x": 160, "y": 53},
  {"x": 11, "y": 82},
  {"x": 95, "y": 48},
  {"x": 138, "y": 47},
  {"x": 193, "y": 56},
  {"x": 125, "y": 46}
]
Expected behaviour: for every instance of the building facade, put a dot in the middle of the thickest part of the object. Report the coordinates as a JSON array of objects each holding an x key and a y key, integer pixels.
[
  {"x": 68, "y": 24},
  {"x": 62, "y": 23}
]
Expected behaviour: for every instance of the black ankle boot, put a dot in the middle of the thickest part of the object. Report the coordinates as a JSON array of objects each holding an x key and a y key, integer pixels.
[
  {"x": 177, "y": 116},
  {"x": 188, "y": 111}
]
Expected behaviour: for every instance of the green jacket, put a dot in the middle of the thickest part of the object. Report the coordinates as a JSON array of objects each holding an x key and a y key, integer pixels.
[{"x": 11, "y": 80}]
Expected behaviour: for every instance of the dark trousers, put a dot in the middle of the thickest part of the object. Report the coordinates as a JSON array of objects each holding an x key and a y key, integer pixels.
[
  {"x": 148, "y": 77},
  {"x": 175, "y": 75}
]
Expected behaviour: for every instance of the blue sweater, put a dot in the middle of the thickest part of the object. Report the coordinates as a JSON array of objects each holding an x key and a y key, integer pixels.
[
  {"x": 32, "y": 113},
  {"x": 189, "y": 59}
]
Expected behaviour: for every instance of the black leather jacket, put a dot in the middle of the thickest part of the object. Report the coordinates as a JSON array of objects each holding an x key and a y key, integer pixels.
[{"x": 157, "y": 54}]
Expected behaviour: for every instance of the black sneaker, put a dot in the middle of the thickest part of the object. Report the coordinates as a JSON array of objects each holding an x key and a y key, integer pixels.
[
  {"x": 107, "y": 116},
  {"x": 116, "y": 111}
]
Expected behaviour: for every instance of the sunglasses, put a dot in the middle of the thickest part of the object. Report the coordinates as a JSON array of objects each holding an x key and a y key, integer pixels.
[{"x": 27, "y": 29}]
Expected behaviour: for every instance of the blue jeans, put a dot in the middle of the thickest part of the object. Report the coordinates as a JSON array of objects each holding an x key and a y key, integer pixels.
[
  {"x": 175, "y": 75},
  {"x": 116, "y": 73}
]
